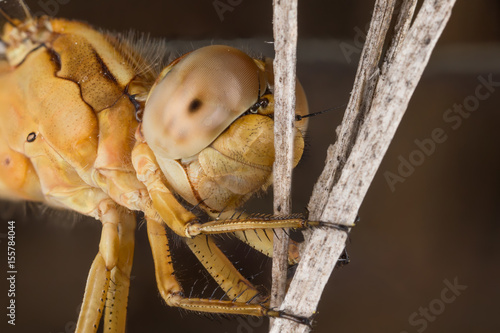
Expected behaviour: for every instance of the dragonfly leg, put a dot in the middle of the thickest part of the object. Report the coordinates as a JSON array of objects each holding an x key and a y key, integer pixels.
[
  {"x": 94, "y": 298},
  {"x": 163, "y": 202},
  {"x": 222, "y": 270},
  {"x": 262, "y": 241},
  {"x": 169, "y": 287},
  {"x": 257, "y": 223},
  {"x": 244, "y": 298},
  {"x": 109, "y": 276},
  {"x": 117, "y": 298}
]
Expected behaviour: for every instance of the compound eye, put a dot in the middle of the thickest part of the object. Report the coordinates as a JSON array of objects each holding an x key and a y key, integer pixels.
[{"x": 199, "y": 98}]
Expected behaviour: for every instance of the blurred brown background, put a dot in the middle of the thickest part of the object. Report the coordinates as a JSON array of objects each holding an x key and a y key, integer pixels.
[{"x": 441, "y": 223}]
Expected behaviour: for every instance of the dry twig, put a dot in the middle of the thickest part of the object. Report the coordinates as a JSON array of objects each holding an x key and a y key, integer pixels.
[
  {"x": 285, "y": 44},
  {"x": 378, "y": 101}
]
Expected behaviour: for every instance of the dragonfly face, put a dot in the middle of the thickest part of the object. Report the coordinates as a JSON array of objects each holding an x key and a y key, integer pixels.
[{"x": 209, "y": 117}]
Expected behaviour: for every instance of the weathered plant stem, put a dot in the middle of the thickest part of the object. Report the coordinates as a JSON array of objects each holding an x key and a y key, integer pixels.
[
  {"x": 378, "y": 101},
  {"x": 285, "y": 43}
]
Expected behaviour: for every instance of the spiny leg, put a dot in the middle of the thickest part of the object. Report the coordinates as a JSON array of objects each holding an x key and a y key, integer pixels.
[
  {"x": 258, "y": 239},
  {"x": 94, "y": 298},
  {"x": 117, "y": 298},
  {"x": 262, "y": 241},
  {"x": 171, "y": 290},
  {"x": 257, "y": 223},
  {"x": 98, "y": 281},
  {"x": 235, "y": 286}
]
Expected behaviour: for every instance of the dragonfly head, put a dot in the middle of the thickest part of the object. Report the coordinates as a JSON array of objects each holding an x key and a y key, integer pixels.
[{"x": 211, "y": 111}]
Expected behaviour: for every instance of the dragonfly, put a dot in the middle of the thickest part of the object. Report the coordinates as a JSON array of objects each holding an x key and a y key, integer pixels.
[{"x": 95, "y": 123}]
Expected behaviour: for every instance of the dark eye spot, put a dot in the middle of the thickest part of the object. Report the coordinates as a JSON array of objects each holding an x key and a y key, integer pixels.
[
  {"x": 264, "y": 103},
  {"x": 195, "y": 105},
  {"x": 31, "y": 137},
  {"x": 7, "y": 161}
]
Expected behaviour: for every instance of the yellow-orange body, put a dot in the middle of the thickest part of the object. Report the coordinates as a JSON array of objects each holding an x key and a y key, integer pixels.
[
  {"x": 71, "y": 93},
  {"x": 72, "y": 137}
]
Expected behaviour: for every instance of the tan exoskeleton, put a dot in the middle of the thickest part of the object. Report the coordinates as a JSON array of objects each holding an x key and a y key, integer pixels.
[{"x": 88, "y": 125}]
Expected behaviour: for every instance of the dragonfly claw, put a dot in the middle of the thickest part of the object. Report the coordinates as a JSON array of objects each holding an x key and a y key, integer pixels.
[{"x": 297, "y": 319}]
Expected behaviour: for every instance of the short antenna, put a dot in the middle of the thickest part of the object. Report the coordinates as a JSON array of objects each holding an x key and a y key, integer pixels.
[{"x": 298, "y": 117}]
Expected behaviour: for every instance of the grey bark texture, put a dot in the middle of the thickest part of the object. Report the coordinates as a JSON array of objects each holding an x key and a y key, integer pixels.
[
  {"x": 285, "y": 44},
  {"x": 380, "y": 96}
]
